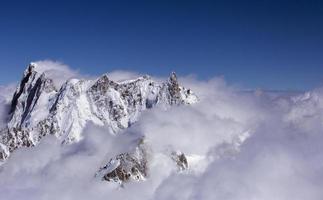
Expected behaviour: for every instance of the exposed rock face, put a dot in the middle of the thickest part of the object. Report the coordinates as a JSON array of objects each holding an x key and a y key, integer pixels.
[
  {"x": 4, "y": 152},
  {"x": 28, "y": 105},
  {"x": 127, "y": 166},
  {"x": 180, "y": 160},
  {"x": 32, "y": 87},
  {"x": 134, "y": 165},
  {"x": 174, "y": 90},
  {"x": 39, "y": 109}
]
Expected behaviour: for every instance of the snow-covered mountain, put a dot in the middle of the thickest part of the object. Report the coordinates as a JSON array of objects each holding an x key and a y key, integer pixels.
[{"x": 38, "y": 109}]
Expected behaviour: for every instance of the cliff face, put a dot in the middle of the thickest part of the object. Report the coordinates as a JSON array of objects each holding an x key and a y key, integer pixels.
[{"x": 28, "y": 106}]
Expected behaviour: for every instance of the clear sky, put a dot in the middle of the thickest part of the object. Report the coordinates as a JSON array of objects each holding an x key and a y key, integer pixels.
[{"x": 256, "y": 44}]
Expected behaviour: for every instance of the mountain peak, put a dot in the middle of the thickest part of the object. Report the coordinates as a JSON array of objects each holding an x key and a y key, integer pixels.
[
  {"x": 25, "y": 81},
  {"x": 31, "y": 67},
  {"x": 173, "y": 77}
]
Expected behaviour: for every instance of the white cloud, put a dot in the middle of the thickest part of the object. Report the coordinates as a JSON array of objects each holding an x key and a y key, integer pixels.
[
  {"x": 56, "y": 71},
  {"x": 6, "y": 93},
  {"x": 282, "y": 158},
  {"x": 120, "y": 75}
]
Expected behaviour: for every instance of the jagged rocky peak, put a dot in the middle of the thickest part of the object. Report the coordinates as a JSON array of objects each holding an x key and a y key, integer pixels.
[
  {"x": 173, "y": 79},
  {"x": 127, "y": 166},
  {"x": 174, "y": 89},
  {"x": 31, "y": 89},
  {"x": 29, "y": 72},
  {"x": 103, "y": 83},
  {"x": 28, "y": 106}
]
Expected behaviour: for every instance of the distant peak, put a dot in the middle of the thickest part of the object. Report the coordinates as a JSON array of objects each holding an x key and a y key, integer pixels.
[
  {"x": 31, "y": 67},
  {"x": 173, "y": 79},
  {"x": 173, "y": 76},
  {"x": 33, "y": 64},
  {"x": 104, "y": 79},
  {"x": 146, "y": 76}
]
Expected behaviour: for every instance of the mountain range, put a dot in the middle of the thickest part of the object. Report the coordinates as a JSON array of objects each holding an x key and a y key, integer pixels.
[{"x": 38, "y": 108}]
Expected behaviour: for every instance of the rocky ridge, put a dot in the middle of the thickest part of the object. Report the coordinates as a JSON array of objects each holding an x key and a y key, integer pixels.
[{"x": 39, "y": 109}]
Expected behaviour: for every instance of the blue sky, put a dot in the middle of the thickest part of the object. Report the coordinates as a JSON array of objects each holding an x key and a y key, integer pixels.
[{"x": 256, "y": 44}]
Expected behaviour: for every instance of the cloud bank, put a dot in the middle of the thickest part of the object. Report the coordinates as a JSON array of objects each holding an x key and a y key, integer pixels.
[{"x": 240, "y": 146}]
